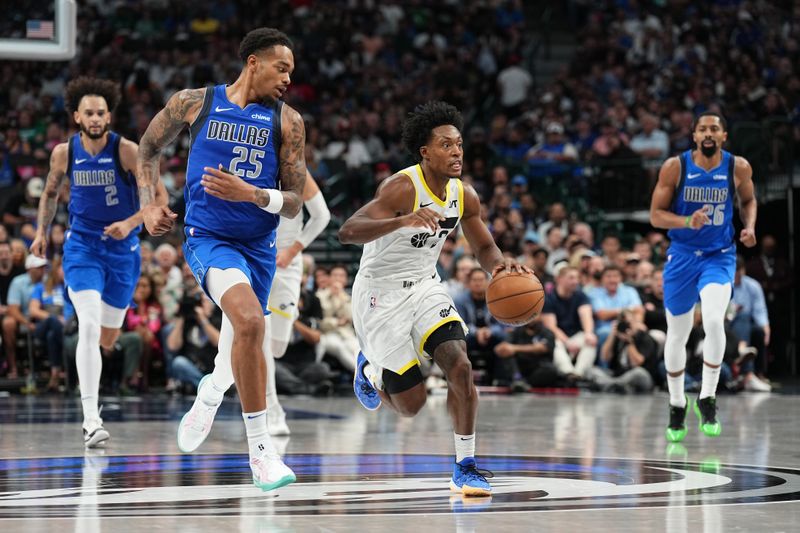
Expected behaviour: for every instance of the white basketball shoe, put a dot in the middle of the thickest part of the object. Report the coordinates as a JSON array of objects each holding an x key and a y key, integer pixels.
[
  {"x": 270, "y": 473},
  {"x": 196, "y": 424}
]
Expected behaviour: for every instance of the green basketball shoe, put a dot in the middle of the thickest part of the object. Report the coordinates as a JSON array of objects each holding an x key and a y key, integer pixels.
[
  {"x": 706, "y": 411},
  {"x": 676, "y": 430}
]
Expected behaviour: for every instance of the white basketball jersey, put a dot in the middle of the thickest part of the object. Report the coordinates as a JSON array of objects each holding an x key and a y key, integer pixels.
[
  {"x": 410, "y": 254},
  {"x": 289, "y": 230}
]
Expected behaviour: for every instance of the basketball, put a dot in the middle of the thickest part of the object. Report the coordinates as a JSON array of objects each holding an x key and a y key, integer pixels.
[{"x": 515, "y": 298}]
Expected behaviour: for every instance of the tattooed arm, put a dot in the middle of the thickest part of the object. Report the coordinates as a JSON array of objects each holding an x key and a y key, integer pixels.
[
  {"x": 292, "y": 164},
  {"x": 128, "y": 151},
  {"x": 180, "y": 111},
  {"x": 48, "y": 203}
]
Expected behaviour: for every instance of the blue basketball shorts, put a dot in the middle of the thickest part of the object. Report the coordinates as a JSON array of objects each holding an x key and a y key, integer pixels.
[
  {"x": 687, "y": 272},
  {"x": 255, "y": 259},
  {"x": 107, "y": 266}
]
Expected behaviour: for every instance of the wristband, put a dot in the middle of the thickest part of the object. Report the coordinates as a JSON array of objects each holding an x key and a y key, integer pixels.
[
  {"x": 275, "y": 201},
  {"x": 687, "y": 221}
]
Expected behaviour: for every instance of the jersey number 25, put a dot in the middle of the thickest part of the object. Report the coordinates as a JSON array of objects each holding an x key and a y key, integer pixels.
[{"x": 245, "y": 155}]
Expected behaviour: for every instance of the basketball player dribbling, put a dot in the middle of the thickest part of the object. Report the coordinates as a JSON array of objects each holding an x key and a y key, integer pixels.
[
  {"x": 230, "y": 222},
  {"x": 101, "y": 250},
  {"x": 401, "y": 311},
  {"x": 693, "y": 199}
]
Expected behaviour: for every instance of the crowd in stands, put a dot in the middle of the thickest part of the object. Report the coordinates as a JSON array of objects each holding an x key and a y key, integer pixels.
[{"x": 640, "y": 73}]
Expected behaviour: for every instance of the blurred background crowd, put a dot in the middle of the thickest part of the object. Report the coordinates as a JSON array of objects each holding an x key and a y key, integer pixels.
[{"x": 570, "y": 110}]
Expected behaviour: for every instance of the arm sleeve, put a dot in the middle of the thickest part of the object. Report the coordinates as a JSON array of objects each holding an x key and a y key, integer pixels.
[{"x": 318, "y": 218}]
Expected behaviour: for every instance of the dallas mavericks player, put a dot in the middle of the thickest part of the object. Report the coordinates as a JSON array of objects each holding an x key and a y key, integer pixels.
[
  {"x": 243, "y": 139},
  {"x": 694, "y": 200},
  {"x": 292, "y": 238},
  {"x": 101, "y": 252},
  {"x": 401, "y": 311}
]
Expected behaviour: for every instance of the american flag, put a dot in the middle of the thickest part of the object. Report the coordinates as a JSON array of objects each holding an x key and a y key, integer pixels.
[{"x": 39, "y": 29}]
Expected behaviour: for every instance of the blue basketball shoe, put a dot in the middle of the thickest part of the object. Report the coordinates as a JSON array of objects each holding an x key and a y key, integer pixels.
[
  {"x": 367, "y": 394},
  {"x": 467, "y": 480}
]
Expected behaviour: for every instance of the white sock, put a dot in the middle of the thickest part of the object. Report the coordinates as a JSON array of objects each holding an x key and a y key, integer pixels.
[
  {"x": 678, "y": 329},
  {"x": 258, "y": 439},
  {"x": 710, "y": 382},
  {"x": 373, "y": 376},
  {"x": 677, "y": 397},
  {"x": 465, "y": 446},
  {"x": 714, "y": 299},
  {"x": 223, "y": 368},
  {"x": 88, "y": 360},
  {"x": 211, "y": 393}
]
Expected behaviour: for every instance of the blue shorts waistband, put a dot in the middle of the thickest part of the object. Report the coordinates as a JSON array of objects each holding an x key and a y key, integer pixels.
[{"x": 700, "y": 252}]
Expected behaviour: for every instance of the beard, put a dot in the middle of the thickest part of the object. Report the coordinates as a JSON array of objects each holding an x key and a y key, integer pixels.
[
  {"x": 708, "y": 151},
  {"x": 94, "y": 136}
]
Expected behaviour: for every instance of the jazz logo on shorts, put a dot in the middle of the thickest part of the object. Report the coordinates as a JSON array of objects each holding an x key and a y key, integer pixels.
[{"x": 373, "y": 302}]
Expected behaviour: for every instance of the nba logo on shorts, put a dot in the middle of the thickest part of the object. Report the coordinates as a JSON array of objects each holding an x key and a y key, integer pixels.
[{"x": 373, "y": 302}]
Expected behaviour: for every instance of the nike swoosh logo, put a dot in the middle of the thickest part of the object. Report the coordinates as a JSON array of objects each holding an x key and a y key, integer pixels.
[
  {"x": 134, "y": 247},
  {"x": 219, "y": 109},
  {"x": 425, "y": 205},
  {"x": 272, "y": 244},
  {"x": 79, "y": 161},
  {"x": 252, "y": 417},
  {"x": 468, "y": 438},
  {"x": 692, "y": 176}
]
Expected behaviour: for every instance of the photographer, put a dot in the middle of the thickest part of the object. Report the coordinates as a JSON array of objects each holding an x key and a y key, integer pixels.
[
  {"x": 192, "y": 339},
  {"x": 630, "y": 354}
]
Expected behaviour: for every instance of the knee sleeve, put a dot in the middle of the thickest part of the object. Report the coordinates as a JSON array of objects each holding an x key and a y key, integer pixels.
[
  {"x": 678, "y": 329},
  {"x": 714, "y": 299}
]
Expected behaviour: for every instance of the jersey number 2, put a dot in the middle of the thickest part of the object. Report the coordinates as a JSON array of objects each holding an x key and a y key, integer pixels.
[
  {"x": 251, "y": 156},
  {"x": 715, "y": 214},
  {"x": 111, "y": 195}
]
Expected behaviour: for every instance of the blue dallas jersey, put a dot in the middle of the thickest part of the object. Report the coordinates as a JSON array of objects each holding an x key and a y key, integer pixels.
[
  {"x": 713, "y": 191},
  {"x": 101, "y": 191},
  {"x": 247, "y": 143}
]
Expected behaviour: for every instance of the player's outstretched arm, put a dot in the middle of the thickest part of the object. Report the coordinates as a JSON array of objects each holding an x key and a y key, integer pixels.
[
  {"x": 391, "y": 209},
  {"x": 48, "y": 203},
  {"x": 180, "y": 111},
  {"x": 480, "y": 239},
  {"x": 748, "y": 207},
  {"x": 661, "y": 215}
]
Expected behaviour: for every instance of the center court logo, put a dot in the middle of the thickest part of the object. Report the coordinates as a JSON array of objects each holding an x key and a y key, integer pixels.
[{"x": 374, "y": 484}]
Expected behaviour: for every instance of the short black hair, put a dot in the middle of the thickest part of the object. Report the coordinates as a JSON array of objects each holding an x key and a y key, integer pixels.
[
  {"x": 84, "y": 85},
  {"x": 478, "y": 269},
  {"x": 417, "y": 128},
  {"x": 262, "y": 39},
  {"x": 710, "y": 114}
]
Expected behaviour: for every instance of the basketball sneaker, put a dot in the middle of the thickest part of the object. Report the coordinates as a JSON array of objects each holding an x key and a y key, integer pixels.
[
  {"x": 676, "y": 430},
  {"x": 94, "y": 434},
  {"x": 367, "y": 394},
  {"x": 196, "y": 424},
  {"x": 706, "y": 411},
  {"x": 467, "y": 480},
  {"x": 269, "y": 473},
  {"x": 276, "y": 422}
]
